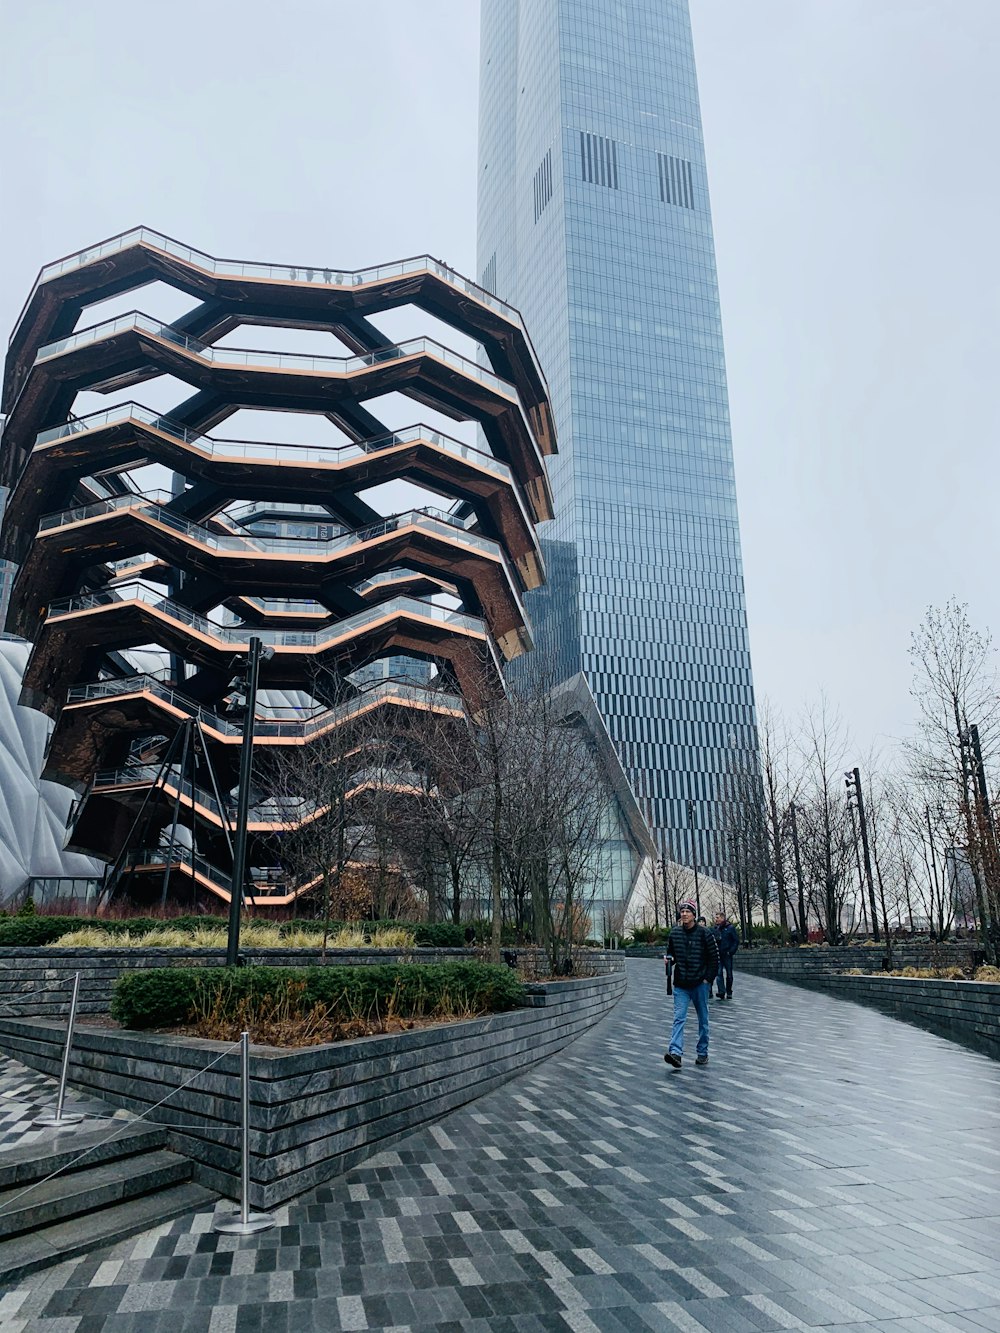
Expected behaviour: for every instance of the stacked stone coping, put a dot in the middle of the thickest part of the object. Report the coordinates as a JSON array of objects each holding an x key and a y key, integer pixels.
[
  {"x": 964, "y": 1011},
  {"x": 316, "y": 1111},
  {"x": 43, "y": 976}
]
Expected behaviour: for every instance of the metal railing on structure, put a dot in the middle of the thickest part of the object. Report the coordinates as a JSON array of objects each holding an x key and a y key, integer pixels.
[
  {"x": 240, "y": 635},
  {"x": 252, "y": 359},
  {"x": 263, "y": 726},
  {"x": 320, "y": 276},
  {"x": 265, "y": 450}
]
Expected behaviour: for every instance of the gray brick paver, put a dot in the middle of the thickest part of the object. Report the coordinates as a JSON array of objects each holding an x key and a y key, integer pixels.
[{"x": 806, "y": 1178}]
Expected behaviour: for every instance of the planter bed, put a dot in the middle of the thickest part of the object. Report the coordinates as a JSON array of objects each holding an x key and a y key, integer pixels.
[
  {"x": 315, "y": 1111},
  {"x": 43, "y": 976}
]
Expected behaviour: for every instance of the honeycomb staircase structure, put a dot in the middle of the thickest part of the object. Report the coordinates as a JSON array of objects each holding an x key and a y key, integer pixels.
[{"x": 133, "y": 536}]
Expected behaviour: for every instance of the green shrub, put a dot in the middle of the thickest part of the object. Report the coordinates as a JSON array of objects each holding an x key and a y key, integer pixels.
[
  {"x": 32, "y": 932},
  {"x": 771, "y": 934},
  {"x": 156, "y": 996},
  {"x": 27, "y": 908},
  {"x": 440, "y": 935},
  {"x": 163, "y": 997}
]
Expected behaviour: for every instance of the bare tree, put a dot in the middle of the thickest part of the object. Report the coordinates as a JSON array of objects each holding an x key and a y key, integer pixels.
[
  {"x": 781, "y": 789},
  {"x": 825, "y": 836},
  {"x": 955, "y": 690},
  {"x": 321, "y": 827},
  {"x": 441, "y": 830}
]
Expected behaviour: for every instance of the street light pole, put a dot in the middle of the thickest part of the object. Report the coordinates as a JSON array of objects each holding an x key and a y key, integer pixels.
[
  {"x": 852, "y": 781},
  {"x": 803, "y": 924},
  {"x": 243, "y": 806},
  {"x": 694, "y": 852},
  {"x": 987, "y": 835}
]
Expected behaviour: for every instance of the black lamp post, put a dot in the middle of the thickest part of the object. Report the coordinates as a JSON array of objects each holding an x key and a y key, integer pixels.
[
  {"x": 694, "y": 852},
  {"x": 852, "y": 781},
  {"x": 803, "y": 923},
  {"x": 248, "y": 684}
]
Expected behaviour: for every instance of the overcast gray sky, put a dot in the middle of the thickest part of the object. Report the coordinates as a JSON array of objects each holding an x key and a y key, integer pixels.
[{"x": 852, "y": 149}]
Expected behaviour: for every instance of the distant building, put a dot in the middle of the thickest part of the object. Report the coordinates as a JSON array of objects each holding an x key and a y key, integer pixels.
[{"x": 594, "y": 221}]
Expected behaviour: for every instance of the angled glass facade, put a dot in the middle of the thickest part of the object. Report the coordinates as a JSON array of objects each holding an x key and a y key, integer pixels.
[{"x": 594, "y": 221}]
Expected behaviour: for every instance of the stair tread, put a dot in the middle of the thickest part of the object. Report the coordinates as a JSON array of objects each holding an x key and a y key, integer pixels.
[
  {"x": 50, "y": 1245},
  {"x": 35, "y": 1161},
  {"x": 69, "y": 1195}
]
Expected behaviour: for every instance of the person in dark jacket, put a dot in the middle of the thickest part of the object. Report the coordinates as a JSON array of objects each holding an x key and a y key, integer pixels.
[
  {"x": 696, "y": 962},
  {"x": 727, "y": 938}
]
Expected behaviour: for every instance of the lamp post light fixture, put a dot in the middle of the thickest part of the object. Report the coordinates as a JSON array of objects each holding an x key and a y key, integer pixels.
[
  {"x": 803, "y": 923},
  {"x": 245, "y": 697},
  {"x": 988, "y": 858},
  {"x": 852, "y": 781},
  {"x": 694, "y": 851}
]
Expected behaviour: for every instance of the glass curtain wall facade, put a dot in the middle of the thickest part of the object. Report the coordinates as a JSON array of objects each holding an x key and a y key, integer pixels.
[{"x": 594, "y": 221}]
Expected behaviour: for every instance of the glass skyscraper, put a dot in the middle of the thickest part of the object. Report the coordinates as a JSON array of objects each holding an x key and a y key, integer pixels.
[{"x": 594, "y": 221}]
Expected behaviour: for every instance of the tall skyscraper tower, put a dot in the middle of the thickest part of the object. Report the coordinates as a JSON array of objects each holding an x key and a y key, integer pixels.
[{"x": 594, "y": 221}]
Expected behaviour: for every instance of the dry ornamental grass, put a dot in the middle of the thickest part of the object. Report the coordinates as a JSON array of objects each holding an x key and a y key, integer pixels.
[
  {"x": 253, "y": 935},
  {"x": 279, "y": 1020}
]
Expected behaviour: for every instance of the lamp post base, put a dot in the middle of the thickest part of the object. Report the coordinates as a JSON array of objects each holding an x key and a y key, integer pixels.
[
  {"x": 232, "y": 1224},
  {"x": 52, "y": 1121}
]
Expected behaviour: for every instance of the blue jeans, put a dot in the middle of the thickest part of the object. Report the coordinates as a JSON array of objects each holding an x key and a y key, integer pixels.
[
  {"x": 724, "y": 981},
  {"x": 682, "y": 1002}
]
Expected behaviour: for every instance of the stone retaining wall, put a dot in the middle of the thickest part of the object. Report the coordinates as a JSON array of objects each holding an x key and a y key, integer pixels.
[
  {"x": 44, "y": 976},
  {"x": 964, "y": 1011},
  {"x": 789, "y": 964},
  {"x": 317, "y": 1111}
]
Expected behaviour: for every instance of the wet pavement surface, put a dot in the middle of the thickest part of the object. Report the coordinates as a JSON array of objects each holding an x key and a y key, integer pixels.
[{"x": 829, "y": 1168}]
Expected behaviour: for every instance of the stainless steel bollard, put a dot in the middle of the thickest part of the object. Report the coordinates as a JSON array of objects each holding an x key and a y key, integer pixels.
[
  {"x": 58, "y": 1119},
  {"x": 244, "y": 1223}
]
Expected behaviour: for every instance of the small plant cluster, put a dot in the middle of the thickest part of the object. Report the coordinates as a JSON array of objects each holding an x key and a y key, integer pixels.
[
  {"x": 28, "y": 929},
  {"x": 309, "y": 1004}
]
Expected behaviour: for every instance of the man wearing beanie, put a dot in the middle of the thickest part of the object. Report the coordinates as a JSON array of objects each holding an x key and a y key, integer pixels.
[{"x": 696, "y": 962}]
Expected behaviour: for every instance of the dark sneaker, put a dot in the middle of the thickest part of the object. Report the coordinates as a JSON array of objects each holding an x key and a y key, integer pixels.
[
  {"x": 729, "y": 996},
  {"x": 720, "y": 997},
  {"x": 701, "y": 1060},
  {"x": 672, "y": 1059}
]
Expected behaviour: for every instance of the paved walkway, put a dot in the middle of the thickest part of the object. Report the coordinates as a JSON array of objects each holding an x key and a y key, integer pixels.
[{"x": 830, "y": 1168}]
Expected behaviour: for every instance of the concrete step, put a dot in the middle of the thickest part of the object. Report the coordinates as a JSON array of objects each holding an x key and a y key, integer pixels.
[
  {"x": 31, "y": 1251},
  {"x": 84, "y": 1192},
  {"x": 22, "y": 1166}
]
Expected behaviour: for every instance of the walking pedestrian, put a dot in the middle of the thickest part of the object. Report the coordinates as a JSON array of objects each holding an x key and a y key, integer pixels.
[
  {"x": 696, "y": 962},
  {"x": 727, "y": 939}
]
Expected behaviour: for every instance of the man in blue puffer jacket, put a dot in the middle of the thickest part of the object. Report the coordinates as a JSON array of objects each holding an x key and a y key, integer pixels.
[{"x": 727, "y": 937}]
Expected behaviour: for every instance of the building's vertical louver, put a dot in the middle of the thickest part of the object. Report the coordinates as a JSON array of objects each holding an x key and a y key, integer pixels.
[
  {"x": 599, "y": 160},
  {"x": 543, "y": 184},
  {"x": 676, "y": 184},
  {"x": 490, "y": 275}
]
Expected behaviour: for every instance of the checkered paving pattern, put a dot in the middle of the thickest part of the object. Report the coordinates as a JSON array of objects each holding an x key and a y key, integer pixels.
[
  {"x": 25, "y": 1094},
  {"x": 830, "y": 1168}
]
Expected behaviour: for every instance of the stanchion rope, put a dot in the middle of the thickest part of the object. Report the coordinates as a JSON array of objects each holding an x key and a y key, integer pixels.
[{"x": 125, "y": 1124}]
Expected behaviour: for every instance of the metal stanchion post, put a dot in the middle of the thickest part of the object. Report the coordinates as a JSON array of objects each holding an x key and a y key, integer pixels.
[
  {"x": 59, "y": 1119},
  {"x": 245, "y": 1223}
]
